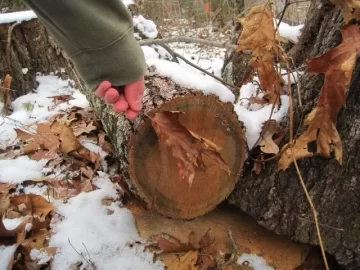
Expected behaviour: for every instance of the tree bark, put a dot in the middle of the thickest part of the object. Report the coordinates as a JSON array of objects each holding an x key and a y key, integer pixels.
[
  {"x": 26, "y": 50},
  {"x": 276, "y": 199}
]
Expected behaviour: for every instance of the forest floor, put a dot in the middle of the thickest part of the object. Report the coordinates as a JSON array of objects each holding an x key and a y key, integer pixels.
[{"x": 66, "y": 206}]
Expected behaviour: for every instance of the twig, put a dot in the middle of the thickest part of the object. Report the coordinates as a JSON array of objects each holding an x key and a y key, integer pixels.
[
  {"x": 234, "y": 250},
  {"x": 187, "y": 40},
  {"x": 233, "y": 87},
  {"x": 8, "y": 45},
  {"x": 315, "y": 214},
  {"x": 286, "y": 5},
  {"x": 291, "y": 108},
  {"x": 323, "y": 225},
  {"x": 82, "y": 255}
]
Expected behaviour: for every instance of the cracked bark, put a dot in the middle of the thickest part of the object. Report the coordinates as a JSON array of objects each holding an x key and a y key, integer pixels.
[{"x": 276, "y": 200}]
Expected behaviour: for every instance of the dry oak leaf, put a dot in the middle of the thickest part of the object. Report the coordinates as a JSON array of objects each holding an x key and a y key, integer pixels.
[
  {"x": 270, "y": 80},
  {"x": 36, "y": 206},
  {"x": 267, "y": 145},
  {"x": 168, "y": 243},
  {"x": 258, "y": 33},
  {"x": 184, "y": 147},
  {"x": 82, "y": 127},
  {"x": 38, "y": 240},
  {"x": 320, "y": 129},
  {"x": 337, "y": 65},
  {"x": 349, "y": 8},
  {"x": 185, "y": 262},
  {"x": 43, "y": 139}
]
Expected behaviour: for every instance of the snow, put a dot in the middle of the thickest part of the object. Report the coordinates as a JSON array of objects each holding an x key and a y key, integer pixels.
[
  {"x": 41, "y": 257},
  {"x": 253, "y": 120},
  {"x": 17, "y": 16},
  {"x": 146, "y": 27},
  {"x": 15, "y": 171},
  {"x": 186, "y": 77},
  {"x": 106, "y": 243},
  {"x": 12, "y": 223},
  {"x": 6, "y": 255},
  {"x": 25, "y": 70},
  {"x": 128, "y": 2},
  {"x": 290, "y": 32},
  {"x": 7, "y": 252},
  {"x": 39, "y": 106},
  {"x": 254, "y": 261}
]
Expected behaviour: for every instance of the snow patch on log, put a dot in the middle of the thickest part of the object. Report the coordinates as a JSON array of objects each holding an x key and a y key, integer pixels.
[
  {"x": 17, "y": 16},
  {"x": 254, "y": 115},
  {"x": 190, "y": 78}
]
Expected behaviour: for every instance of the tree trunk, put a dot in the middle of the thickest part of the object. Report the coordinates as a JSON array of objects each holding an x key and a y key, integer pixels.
[
  {"x": 27, "y": 50},
  {"x": 276, "y": 199},
  {"x": 148, "y": 163}
]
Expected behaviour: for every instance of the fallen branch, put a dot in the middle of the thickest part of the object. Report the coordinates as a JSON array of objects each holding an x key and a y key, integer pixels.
[{"x": 187, "y": 40}]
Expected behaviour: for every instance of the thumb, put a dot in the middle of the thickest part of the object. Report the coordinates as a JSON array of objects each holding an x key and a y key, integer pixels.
[{"x": 134, "y": 93}]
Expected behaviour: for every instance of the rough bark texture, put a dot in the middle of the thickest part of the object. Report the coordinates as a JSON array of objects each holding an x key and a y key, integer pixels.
[
  {"x": 276, "y": 199},
  {"x": 28, "y": 46}
]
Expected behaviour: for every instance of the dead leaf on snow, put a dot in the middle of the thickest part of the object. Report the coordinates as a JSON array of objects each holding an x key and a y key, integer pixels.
[
  {"x": 36, "y": 206},
  {"x": 267, "y": 145}
]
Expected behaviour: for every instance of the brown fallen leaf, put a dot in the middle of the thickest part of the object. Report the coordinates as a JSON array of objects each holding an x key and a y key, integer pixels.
[
  {"x": 184, "y": 147},
  {"x": 168, "y": 243},
  {"x": 322, "y": 130},
  {"x": 36, "y": 206},
  {"x": 258, "y": 33},
  {"x": 337, "y": 64},
  {"x": 61, "y": 98},
  {"x": 185, "y": 262},
  {"x": 267, "y": 145},
  {"x": 106, "y": 146},
  {"x": 82, "y": 128}
]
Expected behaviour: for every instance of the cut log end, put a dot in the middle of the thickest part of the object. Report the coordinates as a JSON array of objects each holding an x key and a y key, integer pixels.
[{"x": 153, "y": 169}]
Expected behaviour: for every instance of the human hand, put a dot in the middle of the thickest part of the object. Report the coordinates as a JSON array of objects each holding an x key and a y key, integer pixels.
[{"x": 128, "y": 101}]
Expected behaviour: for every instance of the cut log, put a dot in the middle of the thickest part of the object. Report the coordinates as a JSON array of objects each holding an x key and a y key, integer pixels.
[{"x": 153, "y": 170}]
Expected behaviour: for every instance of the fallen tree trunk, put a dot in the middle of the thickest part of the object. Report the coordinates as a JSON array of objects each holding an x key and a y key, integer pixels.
[
  {"x": 146, "y": 163},
  {"x": 276, "y": 199}
]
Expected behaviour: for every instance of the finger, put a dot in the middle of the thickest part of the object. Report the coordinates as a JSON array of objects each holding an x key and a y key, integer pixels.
[
  {"x": 131, "y": 115},
  {"x": 121, "y": 105},
  {"x": 111, "y": 96},
  {"x": 134, "y": 93},
  {"x": 103, "y": 87}
]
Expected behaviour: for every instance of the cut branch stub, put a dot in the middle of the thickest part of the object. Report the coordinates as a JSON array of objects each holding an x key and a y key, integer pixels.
[{"x": 154, "y": 171}]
